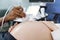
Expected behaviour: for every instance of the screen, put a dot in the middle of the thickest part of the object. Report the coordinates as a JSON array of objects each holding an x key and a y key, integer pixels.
[{"x": 41, "y": 0}]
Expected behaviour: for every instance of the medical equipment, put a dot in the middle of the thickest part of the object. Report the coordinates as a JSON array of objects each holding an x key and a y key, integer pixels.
[
  {"x": 32, "y": 14},
  {"x": 5, "y": 16},
  {"x": 41, "y": 0},
  {"x": 33, "y": 10},
  {"x": 42, "y": 6}
]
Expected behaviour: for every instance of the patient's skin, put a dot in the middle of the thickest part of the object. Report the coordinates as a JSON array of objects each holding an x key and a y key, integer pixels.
[
  {"x": 51, "y": 25},
  {"x": 33, "y": 30}
]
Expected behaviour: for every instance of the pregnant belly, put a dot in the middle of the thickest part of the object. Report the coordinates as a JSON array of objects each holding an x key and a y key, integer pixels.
[{"x": 31, "y": 31}]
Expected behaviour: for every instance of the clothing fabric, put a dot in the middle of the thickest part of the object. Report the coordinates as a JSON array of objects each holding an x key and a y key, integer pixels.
[
  {"x": 6, "y": 36},
  {"x": 54, "y": 7},
  {"x": 52, "y": 10},
  {"x": 5, "y": 27}
]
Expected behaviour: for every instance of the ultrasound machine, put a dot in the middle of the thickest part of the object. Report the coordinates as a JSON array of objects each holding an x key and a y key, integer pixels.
[{"x": 41, "y": 7}]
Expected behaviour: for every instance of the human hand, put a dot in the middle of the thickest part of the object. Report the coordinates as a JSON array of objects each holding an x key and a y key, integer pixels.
[{"x": 15, "y": 12}]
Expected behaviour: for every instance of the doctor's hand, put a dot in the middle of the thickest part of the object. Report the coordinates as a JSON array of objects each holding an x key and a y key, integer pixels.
[{"x": 15, "y": 12}]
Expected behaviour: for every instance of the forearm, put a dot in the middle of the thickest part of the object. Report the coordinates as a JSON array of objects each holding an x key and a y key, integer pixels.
[
  {"x": 9, "y": 18},
  {"x": 5, "y": 20}
]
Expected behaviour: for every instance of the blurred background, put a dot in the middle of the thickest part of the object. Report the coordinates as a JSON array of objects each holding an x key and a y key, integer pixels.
[{"x": 53, "y": 9}]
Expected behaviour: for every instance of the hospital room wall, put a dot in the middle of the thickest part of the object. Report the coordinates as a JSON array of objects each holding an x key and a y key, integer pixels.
[{"x": 4, "y": 4}]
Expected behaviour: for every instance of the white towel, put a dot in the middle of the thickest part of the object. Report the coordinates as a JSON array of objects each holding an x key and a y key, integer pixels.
[{"x": 56, "y": 34}]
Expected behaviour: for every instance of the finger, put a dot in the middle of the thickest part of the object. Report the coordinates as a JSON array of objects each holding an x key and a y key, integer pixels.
[
  {"x": 18, "y": 8},
  {"x": 17, "y": 11},
  {"x": 50, "y": 25},
  {"x": 23, "y": 14}
]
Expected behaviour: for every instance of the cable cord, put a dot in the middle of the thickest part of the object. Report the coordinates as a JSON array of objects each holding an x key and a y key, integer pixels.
[{"x": 5, "y": 15}]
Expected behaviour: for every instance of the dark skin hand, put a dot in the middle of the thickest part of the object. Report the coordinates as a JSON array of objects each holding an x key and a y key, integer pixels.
[{"x": 15, "y": 12}]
